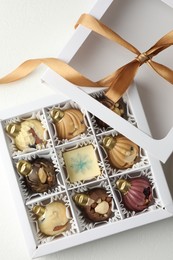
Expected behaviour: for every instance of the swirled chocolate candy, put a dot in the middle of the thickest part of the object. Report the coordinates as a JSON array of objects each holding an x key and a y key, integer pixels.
[
  {"x": 122, "y": 152},
  {"x": 39, "y": 174},
  {"x": 27, "y": 134},
  {"x": 69, "y": 123},
  {"x": 94, "y": 204},
  {"x": 52, "y": 218}
]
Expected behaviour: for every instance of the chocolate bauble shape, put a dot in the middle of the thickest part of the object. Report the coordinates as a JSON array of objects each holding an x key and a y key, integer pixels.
[
  {"x": 95, "y": 204},
  {"x": 52, "y": 218},
  {"x": 39, "y": 174},
  {"x": 69, "y": 123},
  {"x": 122, "y": 153},
  {"x": 27, "y": 134},
  {"x": 118, "y": 108},
  {"x": 136, "y": 193}
]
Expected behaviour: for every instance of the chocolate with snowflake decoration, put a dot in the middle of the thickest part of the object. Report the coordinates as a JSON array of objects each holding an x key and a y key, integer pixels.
[{"x": 81, "y": 164}]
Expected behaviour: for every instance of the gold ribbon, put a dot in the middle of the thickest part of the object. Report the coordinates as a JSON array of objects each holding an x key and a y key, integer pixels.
[
  {"x": 59, "y": 66},
  {"x": 118, "y": 81}
]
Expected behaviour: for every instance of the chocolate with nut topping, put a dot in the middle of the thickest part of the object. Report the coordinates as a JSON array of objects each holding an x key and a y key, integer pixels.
[
  {"x": 95, "y": 204},
  {"x": 39, "y": 174},
  {"x": 119, "y": 108}
]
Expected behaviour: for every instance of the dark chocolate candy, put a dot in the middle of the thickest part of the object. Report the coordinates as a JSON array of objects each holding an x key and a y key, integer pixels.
[
  {"x": 95, "y": 204},
  {"x": 119, "y": 108},
  {"x": 39, "y": 174}
]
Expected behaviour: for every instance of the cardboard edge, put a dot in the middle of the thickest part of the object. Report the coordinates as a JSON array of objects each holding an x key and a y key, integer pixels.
[
  {"x": 168, "y": 2},
  {"x": 14, "y": 188},
  {"x": 161, "y": 149},
  {"x": 128, "y": 224}
]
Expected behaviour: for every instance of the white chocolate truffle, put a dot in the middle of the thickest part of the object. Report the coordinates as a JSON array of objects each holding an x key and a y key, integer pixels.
[
  {"x": 54, "y": 220},
  {"x": 31, "y": 134}
]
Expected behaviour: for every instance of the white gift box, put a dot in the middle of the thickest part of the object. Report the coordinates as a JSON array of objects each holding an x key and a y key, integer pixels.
[
  {"x": 168, "y": 2},
  {"x": 150, "y": 166}
]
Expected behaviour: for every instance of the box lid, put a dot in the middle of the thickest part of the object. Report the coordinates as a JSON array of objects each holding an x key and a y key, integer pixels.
[{"x": 161, "y": 149}]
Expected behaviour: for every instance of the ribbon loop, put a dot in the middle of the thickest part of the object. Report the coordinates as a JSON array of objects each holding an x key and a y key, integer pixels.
[
  {"x": 142, "y": 58},
  {"x": 119, "y": 81}
]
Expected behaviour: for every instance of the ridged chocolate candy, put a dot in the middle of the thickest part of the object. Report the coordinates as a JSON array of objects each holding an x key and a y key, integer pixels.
[
  {"x": 122, "y": 152},
  {"x": 136, "y": 193}
]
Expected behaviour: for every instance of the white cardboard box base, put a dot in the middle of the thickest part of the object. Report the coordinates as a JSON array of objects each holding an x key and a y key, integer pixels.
[{"x": 163, "y": 209}]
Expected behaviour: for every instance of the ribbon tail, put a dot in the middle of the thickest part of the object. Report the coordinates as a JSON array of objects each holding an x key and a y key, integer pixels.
[
  {"x": 162, "y": 70},
  {"x": 97, "y": 26},
  {"x": 60, "y": 67},
  {"x": 20, "y": 72},
  {"x": 69, "y": 73},
  {"x": 120, "y": 80},
  {"x": 165, "y": 42}
]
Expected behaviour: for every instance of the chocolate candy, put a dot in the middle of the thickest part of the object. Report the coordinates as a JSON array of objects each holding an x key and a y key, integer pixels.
[
  {"x": 136, "y": 193},
  {"x": 39, "y": 174},
  {"x": 94, "y": 204},
  {"x": 118, "y": 107},
  {"x": 27, "y": 134},
  {"x": 122, "y": 153},
  {"x": 69, "y": 123},
  {"x": 52, "y": 219},
  {"x": 81, "y": 164}
]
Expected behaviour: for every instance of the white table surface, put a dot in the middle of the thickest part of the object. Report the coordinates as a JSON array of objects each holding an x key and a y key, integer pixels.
[{"x": 32, "y": 29}]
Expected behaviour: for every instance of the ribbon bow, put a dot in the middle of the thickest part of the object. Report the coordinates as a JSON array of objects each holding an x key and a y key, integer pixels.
[{"x": 118, "y": 81}]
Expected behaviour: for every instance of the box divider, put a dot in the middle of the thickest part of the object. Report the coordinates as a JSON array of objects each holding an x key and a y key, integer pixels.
[{"x": 63, "y": 178}]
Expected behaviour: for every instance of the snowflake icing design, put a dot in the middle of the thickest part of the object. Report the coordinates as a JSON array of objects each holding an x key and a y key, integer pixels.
[{"x": 81, "y": 163}]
